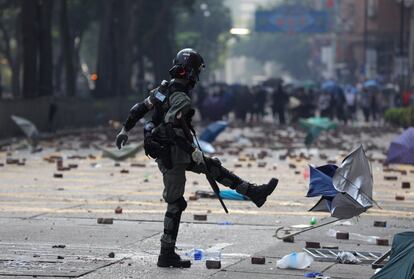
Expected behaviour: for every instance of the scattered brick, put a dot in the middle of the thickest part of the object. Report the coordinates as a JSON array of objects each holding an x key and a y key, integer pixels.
[
  {"x": 399, "y": 197},
  {"x": 310, "y": 244},
  {"x": 200, "y": 217},
  {"x": 290, "y": 239},
  {"x": 381, "y": 224},
  {"x": 60, "y": 257},
  {"x": 138, "y": 165},
  {"x": 292, "y": 166},
  {"x": 108, "y": 221},
  {"x": 192, "y": 198},
  {"x": 262, "y": 164},
  {"x": 61, "y": 246},
  {"x": 118, "y": 210},
  {"x": 389, "y": 177},
  {"x": 211, "y": 264},
  {"x": 405, "y": 185},
  {"x": 237, "y": 165},
  {"x": 111, "y": 255},
  {"x": 258, "y": 260},
  {"x": 124, "y": 171},
  {"x": 342, "y": 235},
  {"x": 382, "y": 242},
  {"x": 73, "y": 166},
  {"x": 58, "y": 175},
  {"x": 11, "y": 161}
]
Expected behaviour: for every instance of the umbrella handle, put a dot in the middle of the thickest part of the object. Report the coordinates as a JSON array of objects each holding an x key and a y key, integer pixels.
[{"x": 304, "y": 230}]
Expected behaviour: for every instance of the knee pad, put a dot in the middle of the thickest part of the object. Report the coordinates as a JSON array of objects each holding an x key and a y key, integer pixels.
[{"x": 179, "y": 205}]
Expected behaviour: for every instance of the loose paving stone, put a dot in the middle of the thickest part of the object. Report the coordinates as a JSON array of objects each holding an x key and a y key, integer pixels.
[
  {"x": 312, "y": 244},
  {"x": 381, "y": 224},
  {"x": 390, "y": 178},
  {"x": 342, "y": 235},
  {"x": 200, "y": 217},
  {"x": 212, "y": 264},
  {"x": 290, "y": 239},
  {"x": 258, "y": 260},
  {"x": 108, "y": 221},
  {"x": 382, "y": 242},
  {"x": 118, "y": 210},
  {"x": 399, "y": 197}
]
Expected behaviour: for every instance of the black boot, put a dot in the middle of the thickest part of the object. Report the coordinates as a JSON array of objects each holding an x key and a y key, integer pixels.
[
  {"x": 259, "y": 194},
  {"x": 168, "y": 258}
]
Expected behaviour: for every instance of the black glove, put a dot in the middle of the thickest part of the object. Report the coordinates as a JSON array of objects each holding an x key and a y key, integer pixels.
[{"x": 121, "y": 138}]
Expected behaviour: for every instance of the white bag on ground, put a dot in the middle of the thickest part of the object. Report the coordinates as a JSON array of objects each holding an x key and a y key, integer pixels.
[{"x": 295, "y": 261}]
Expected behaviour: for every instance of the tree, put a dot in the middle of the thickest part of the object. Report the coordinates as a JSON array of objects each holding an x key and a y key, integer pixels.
[
  {"x": 67, "y": 50},
  {"x": 114, "y": 50},
  {"x": 10, "y": 37},
  {"x": 205, "y": 29},
  {"x": 30, "y": 58}
]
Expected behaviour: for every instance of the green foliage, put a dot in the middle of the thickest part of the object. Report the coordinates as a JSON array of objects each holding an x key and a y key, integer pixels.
[{"x": 400, "y": 116}]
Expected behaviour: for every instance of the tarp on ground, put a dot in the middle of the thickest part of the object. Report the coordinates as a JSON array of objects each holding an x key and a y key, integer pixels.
[
  {"x": 346, "y": 192},
  {"x": 401, "y": 263},
  {"x": 401, "y": 150},
  {"x": 119, "y": 155},
  {"x": 213, "y": 130}
]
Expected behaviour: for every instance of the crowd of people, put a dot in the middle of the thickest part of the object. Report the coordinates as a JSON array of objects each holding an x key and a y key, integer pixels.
[{"x": 287, "y": 103}]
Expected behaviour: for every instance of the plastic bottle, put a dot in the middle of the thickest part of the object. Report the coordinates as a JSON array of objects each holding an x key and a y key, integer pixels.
[
  {"x": 295, "y": 261},
  {"x": 313, "y": 220},
  {"x": 200, "y": 254}
]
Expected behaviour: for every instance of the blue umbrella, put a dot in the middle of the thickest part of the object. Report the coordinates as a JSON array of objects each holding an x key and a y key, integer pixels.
[
  {"x": 321, "y": 181},
  {"x": 371, "y": 83},
  {"x": 401, "y": 150},
  {"x": 346, "y": 191},
  {"x": 328, "y": 85},
  {"x": 213, "y": 130}
]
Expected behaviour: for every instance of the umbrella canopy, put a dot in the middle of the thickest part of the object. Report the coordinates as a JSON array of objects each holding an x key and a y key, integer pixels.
[
  {"x": 401, "y": 149},
  {"x": 314, "y": 126},
  {"x": 347, "y": 190},
  {"x": 321, "y": 181},
  {"x": 328, "y": 85},
  {"x": 401, "y": 263},
  {"x": 371, "y": 83},
  {"x": 213, "y": 130},
  {"x": 27, "y": 127}
]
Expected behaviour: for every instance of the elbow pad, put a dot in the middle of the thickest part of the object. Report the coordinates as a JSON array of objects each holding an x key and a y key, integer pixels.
[{"x": 137, "y": 112}]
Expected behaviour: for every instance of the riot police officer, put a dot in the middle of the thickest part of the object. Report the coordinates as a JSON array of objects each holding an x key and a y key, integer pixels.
[{"x": 166, "y": 138}]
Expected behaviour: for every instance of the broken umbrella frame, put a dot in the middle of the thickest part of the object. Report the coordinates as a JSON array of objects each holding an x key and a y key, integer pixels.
[{"x": 346, "y": 190}]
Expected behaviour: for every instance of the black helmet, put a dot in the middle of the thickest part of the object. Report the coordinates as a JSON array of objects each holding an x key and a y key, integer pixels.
[{"x": 187, "y": 64}]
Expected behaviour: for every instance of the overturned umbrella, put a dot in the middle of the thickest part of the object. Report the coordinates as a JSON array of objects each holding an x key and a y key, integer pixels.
[{"x": 345, "y": 191}]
